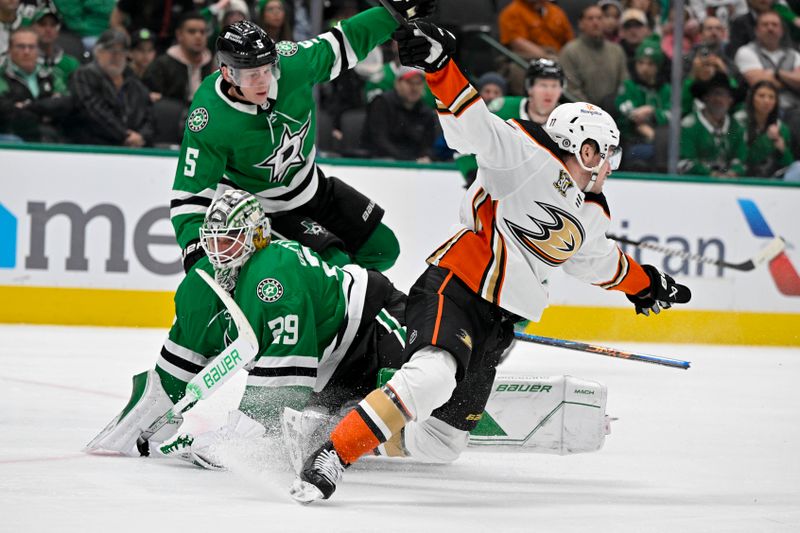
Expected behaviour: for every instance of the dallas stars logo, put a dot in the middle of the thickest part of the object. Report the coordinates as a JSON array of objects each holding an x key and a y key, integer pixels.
[
  {"x": 288, "y": 154},
  {"x": 198, "y": 119},
  {"x": 269, "y": 290}
]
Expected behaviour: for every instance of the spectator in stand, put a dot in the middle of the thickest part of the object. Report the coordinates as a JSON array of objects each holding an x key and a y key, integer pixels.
[
  {"x": 112, "y": 105},
  {"x": 177, "y": 73},
  {"x": 275, "y": 21},
  {"x": 594, "y": 67},
  {"x": 143, "y": 52},
  {"x": 33, "y": 99},
  {"x": 705, "y": 63},
  {"x": 767, "y": 138},
  {"x": 652, "y": 10},
  {"x": 644, "y": 108},
  {"x": 691, "y": 34},
  {"x": 713, "y": 36},
  {"x": 712, "y": 143},
  {"x": 47, "y": 24},
  {"x": 534, "y": 28},
  {"x": 230, "y": 16},
  {"x": 491, "y": 86},
  {"x": 86, "y": 19},
  {"x": 9, "y": 21},
  {"x": 743, "y": 28},
  {"x": 634, "y": 30},
  {"x": 158, "y": 16},
  {"x": 766, "y": 59},
  {"x": 612, "y": 12},
  {"x": 398, "y": 124}
]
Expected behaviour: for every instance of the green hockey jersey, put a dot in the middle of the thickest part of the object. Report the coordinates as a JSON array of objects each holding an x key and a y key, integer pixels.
[
  {"x": 298, "y": 307},
  {"x": 633, "y": 95},
  {"x": 266, "y": 150},
  {"x": 705, "y": 149}
]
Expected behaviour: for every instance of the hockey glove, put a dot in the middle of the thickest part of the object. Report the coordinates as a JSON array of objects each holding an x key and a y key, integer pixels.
[
  {"x": 661, "y": 294},
  {"x": 192, "y": 254},
  {"x": 424, "y": 45},
  {"x": 414, "y": 9}
]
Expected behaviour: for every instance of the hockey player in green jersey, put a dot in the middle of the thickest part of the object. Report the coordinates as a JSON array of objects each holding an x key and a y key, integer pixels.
[
  {"x": 252, "y": 126},
  {"x": 323, "y": 332},
  {"x": 544, "y": 83}
]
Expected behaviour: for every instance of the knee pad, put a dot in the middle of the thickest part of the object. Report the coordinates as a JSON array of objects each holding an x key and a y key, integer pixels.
[
  {"x": 425, "y": 382},
  {"x": 434, "y": 441}
]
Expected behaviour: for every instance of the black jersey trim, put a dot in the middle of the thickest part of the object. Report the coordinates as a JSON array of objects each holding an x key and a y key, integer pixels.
[
  {"x": 192, "y": 200},
  {"x": 314, "y": 170},
  {"x": 284, "y": 371},
  {"x": 339, "y": 36},
  {"x": 599, "y": 199},
  {"x": 181, "y": 363},
  {"x": 541, "y": 138}
]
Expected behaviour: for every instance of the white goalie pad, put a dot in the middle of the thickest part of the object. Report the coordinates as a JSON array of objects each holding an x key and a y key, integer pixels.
[
  {"x": 147, "y": 403},
  {"x": 558, "y": 414}
]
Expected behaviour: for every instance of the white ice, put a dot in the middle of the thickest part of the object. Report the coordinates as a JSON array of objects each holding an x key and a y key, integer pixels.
[{"x": 714, "y": 448}]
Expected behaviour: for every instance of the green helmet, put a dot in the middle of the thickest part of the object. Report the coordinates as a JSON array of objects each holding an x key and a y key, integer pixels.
[{"x": 235, "y": 226}]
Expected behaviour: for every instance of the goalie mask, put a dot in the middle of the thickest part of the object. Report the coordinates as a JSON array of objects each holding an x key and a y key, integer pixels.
[
  {"x": 571, "y": 125},
  {"x": 235, "y": 226}
]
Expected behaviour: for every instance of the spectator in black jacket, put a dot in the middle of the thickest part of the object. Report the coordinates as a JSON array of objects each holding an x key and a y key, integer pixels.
[
  {"x": 399, "y": 125},
  {"x": 33, "y": 98},
  {"x": 177, "y": 73},
  {"x": 112, "y": 105}
]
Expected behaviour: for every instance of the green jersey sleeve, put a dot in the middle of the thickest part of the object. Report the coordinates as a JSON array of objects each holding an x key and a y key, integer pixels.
[{"x": 331, "y": 53}]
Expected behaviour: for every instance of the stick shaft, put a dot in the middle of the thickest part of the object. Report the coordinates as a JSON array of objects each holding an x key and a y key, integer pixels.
[{"x": 602, "y": 350}]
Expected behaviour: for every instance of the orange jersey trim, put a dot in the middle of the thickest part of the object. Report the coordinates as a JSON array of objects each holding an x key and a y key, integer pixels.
[{"x": 440, "y": 308}]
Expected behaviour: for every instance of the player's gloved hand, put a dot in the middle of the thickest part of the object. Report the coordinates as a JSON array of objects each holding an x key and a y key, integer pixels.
[
  {"x": 424, "y": 45},
  {"x": 661, "y": 294},
  {"x": 192, "y": 254},
  {"x": 414, "y": 9}
]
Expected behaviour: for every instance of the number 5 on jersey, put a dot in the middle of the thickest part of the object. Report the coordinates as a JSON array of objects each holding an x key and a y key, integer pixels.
[
  {"x": 190, "y": 162},
  {"x": 284, "y": 329}
]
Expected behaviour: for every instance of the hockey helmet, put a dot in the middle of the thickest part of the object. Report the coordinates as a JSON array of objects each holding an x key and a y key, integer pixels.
[
  {"x": 543, "y": 68},
  {"x": 245, "y": 48},
  {"x": 235, "y": 226},
  {"x": 571, "y": 125}
]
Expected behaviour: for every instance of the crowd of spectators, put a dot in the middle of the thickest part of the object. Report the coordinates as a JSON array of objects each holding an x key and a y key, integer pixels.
[{"x": 123, "y": 73}]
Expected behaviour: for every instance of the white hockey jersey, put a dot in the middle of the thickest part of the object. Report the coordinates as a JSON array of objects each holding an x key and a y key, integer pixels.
[{"x": 524, "y": 215}]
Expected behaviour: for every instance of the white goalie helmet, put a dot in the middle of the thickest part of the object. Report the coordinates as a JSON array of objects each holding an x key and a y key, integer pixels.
[
  {"x": 570, "y": 125},
  {"x": 235, "y": 226}
]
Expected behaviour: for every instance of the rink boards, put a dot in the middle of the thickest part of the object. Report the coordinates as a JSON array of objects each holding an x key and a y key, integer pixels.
[{"x": 85, "y": 238}]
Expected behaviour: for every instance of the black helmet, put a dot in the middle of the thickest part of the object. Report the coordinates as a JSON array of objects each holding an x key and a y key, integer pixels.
[
  {"x": 543, "y": 68},
  {"x": 244, "y": 44}
]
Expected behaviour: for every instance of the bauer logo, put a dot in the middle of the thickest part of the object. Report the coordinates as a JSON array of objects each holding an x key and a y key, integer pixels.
[
  {"x": 218, "y": 371},
  {"x": 8, "y": 238}
]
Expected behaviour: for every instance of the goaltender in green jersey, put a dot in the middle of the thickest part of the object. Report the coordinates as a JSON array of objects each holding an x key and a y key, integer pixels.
[
  {"x": 323, "y": 331},
  {"x": 251, "y": 126}
]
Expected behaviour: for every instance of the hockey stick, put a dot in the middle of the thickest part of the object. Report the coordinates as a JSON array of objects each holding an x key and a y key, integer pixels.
[
  {"x": 387, "y": 5},
  {"x": 602, "y": 350},
  {"x": 237, "y": 355},
  {"x": 768, "y": 253}
]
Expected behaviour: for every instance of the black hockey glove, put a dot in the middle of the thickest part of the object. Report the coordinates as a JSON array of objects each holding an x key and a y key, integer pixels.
[
  {"x": 661, "y": 294},
  {"x": 192, "y": 254},
  {"x": 413, "y": 9},
  {"x": 424, "y": 45}
]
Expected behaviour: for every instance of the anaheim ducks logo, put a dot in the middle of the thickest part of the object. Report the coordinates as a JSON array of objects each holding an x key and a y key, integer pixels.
[{"x": 553, "y": 241}]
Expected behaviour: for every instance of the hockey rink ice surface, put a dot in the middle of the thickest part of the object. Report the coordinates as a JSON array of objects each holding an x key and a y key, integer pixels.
[{"x": 714, "y": 448}]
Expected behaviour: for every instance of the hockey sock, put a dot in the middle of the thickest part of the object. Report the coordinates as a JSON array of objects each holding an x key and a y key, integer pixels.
[
  {"x": 380, "y": 251},
  {"x": 374, "y": 420}
]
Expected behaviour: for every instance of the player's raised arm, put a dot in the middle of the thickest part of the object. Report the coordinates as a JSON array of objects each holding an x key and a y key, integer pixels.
[{"x": 468, "y": 126}]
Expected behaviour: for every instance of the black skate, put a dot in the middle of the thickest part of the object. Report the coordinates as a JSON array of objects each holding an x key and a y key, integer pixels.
[{"x": 319, "y": 476}]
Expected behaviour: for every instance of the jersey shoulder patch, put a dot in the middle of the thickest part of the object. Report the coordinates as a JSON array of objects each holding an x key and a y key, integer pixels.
[
  {"x": 269, "y": 290},
  {"x": 198, "y": 119},
  {"x": 599, "y": 199},
  {"x": 286, "y": 48}
]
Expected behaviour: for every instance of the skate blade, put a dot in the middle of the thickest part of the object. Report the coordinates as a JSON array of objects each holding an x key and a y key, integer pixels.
[{"x": 304, "y": 492}]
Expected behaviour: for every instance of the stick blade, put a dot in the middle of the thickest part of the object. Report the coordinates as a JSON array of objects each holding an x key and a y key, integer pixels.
[{"x": 243, "y": 326}]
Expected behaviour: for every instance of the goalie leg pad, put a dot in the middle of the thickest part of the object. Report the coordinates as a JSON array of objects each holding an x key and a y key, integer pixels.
[
  {"x": 559, "y": 414},
  {"x": 147, "y": 403}
]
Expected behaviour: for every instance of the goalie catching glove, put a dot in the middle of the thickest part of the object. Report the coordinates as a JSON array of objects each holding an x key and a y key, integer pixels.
[
  {"x": 424, "y": 45},
  {"x": 661, "y": 294}
]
